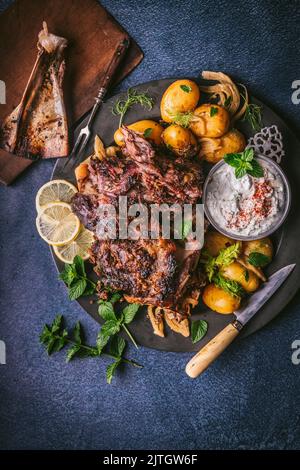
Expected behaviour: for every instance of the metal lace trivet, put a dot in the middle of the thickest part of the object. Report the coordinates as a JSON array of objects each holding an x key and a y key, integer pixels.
[{"x": 268, "y": 142}]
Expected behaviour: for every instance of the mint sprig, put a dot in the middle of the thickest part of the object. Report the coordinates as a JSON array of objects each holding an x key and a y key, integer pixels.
[
  {"x": 244, "y": 163},
  {"x": 55, "y": 337},
  {"x": 113, "y": 321},
  {"x": 76, "y": 279}
]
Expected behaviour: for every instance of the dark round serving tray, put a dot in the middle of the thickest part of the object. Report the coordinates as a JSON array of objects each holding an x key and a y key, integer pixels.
[{"x": 286, "y": 240}]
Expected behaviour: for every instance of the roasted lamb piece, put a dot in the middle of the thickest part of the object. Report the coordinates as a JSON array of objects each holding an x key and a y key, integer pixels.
[
  {"x": 148, "y": 271},
  {"x": 38, "y": 127},
  {"x": 149, "y": 178}
]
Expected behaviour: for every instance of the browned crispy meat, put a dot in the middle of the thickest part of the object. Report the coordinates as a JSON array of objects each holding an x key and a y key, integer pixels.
[
  {"x": 38, "y": 128},
  {"x": 148, "y": 271},
  {"x": 145, "y": 269},
  {"x": 153, "y": 272},
  {"x": 148, "y": 178},
  {"x": 164, "y": 179}
]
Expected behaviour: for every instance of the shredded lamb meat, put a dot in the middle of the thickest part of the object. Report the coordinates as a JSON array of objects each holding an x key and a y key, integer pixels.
[{"x": 148, "y": 271}]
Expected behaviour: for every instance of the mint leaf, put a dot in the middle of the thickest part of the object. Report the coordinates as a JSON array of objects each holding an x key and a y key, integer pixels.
[
  {"x": 45, "y": 335},
  {"x": 244, "y": 163},
  {"x": 110, "y": 328},
  {"x": 60, "y": 342},
  {"x": 101, "y": 341},
  {"x": 147, "y": 132},
  {"x": 111, "y": 369},
  {"x": 258, "y": 259},
  {"x": 79, "y": 266},
  {"x": 257, "y": 170},
  {"x": 115, "y": 297},
  {"x": 232, "y": 159},
  {"x": 74, "y": 276},
  {"x": 68, "y": 274},
  {"x": 77, "y": 289},
  {"x": 129, "y": 312},
  {"x": 213, "y": 111},
  {"x": 246, "y": 275},
  {"x": 50, "y": 345},
  {"x": 106, "y": 311},
  {"x": 72, "y": 352},
  {"x": 186, "y": 88},
  {"x": 247, "y": 155},
  {"x": 77, "y": 333},
  {"x": 198, "y": 330},
  {"x": 90, "y": 288},
  {"x": 242, "y": 169},
  {"x": 117, "y": 346},
  {"x": 57, "y": 324}
]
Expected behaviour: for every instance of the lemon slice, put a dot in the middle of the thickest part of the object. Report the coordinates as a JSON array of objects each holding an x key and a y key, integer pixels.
[
  {"x": 57, "y": 224},
  {"x": 54, "y": 191},
  {"x": 79, "y": 246}
]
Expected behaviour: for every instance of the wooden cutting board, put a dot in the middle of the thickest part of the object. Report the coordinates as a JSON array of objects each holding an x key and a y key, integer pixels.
[{"x": 93, "y": 36}]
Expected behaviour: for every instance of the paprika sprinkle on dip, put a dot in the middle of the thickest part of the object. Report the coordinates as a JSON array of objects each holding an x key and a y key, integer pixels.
[{"x": 247, "y": 206}]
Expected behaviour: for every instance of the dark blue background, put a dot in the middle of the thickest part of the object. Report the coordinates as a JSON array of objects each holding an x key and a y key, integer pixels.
[{"x": 250, "y": 397}]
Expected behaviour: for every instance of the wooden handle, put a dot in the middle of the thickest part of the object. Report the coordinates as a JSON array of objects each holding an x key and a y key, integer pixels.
[
  {"x": 211, "y": 351},
  {"x": 114, "y": 63}
]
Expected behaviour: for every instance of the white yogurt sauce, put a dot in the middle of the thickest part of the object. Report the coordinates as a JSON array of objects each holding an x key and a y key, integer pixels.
[{"x": 245, "y": 206}]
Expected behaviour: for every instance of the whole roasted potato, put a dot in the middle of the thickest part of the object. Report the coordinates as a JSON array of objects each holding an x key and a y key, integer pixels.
[
  {"x": 151, "y": 130},
  {"x": 219, "y": 300},
  {"x": 211, "y": 120},
  {"x": 180, "y": 140},
  {"x": 215, "y": 149},
  {"x": 180, "y": 97},
  {"x": 215, "y": 242},
  {"x": 236, "y": 272},
  {"x": 263, "y": 246}
]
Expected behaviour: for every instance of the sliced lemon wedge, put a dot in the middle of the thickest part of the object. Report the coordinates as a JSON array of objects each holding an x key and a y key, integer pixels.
[
  {"x": 57, "y": 224},
  {"x": 54, "y": 191},
  {"x": 79, "y": 246}
]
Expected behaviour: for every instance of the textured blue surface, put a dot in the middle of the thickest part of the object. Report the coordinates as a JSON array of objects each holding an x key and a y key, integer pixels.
[{"x": 250, "y": 397}]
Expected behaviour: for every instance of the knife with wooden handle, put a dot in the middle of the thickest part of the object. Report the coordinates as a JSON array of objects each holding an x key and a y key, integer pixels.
[{"x": 200, "y": 362}]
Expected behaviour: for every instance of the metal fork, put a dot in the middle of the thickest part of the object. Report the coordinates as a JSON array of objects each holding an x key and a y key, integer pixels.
[{"x": 85, "y": 132}]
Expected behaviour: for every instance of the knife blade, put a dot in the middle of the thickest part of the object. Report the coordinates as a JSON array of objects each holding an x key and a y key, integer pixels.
[
  {"x": 219, "y": 343},
  {"x": 260, "y": 297}
]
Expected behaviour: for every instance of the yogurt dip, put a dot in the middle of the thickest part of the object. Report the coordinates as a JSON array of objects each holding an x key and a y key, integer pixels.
[{"x": 246, "y": 206}]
